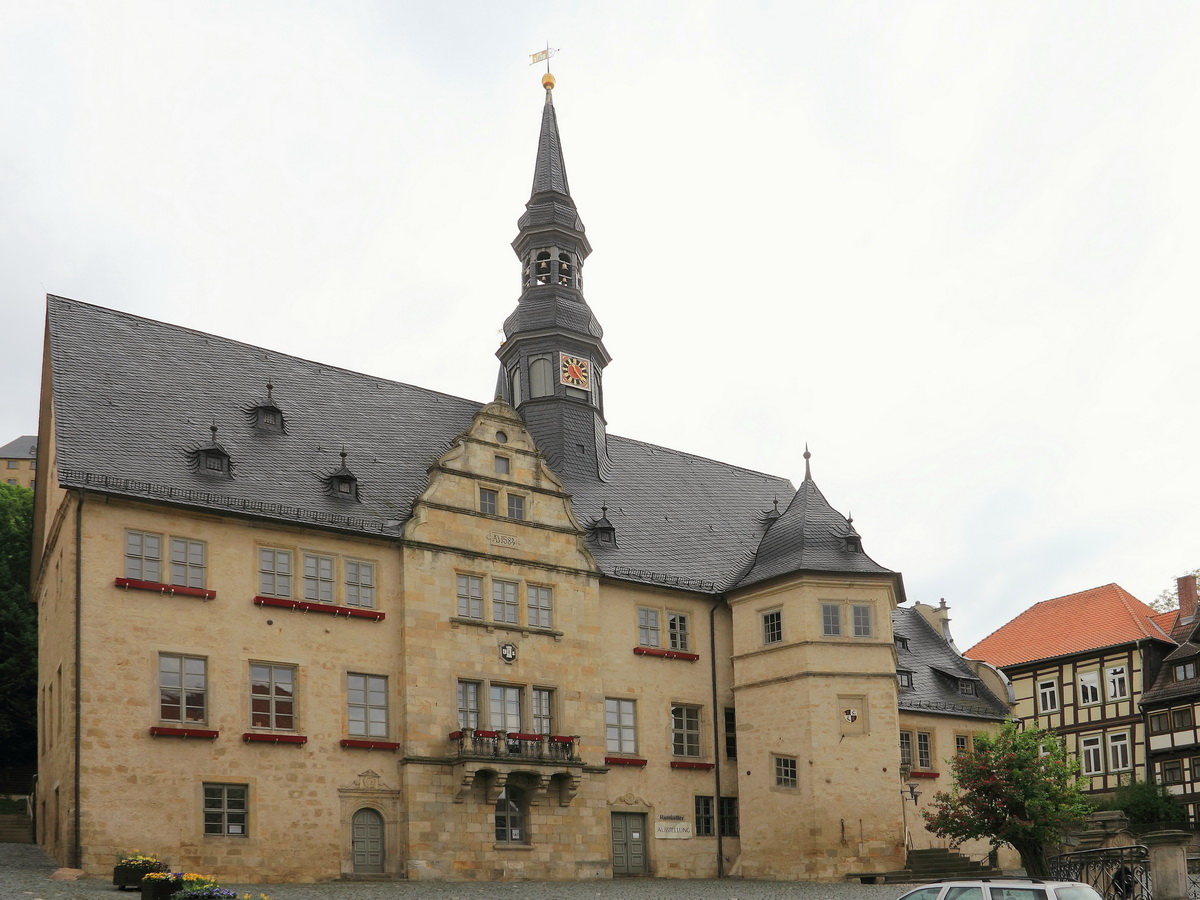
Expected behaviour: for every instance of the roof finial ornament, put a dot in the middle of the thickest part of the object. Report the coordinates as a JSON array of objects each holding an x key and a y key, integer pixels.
[
  {"x": 547, "y": 79},
  {"x": 270, "y": 387},
  {"x": 213, "y": 429},
  {"x": 343, "y": 456},
  {"x": 807, "y": 457}
]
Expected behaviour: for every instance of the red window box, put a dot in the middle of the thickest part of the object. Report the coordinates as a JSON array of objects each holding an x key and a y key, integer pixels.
[
  {"x": 922, "y": 774},
  {"x": 370, "y": 745},
  {"x": 350, "y": 612},
  {"x": 264, "y": 738},
  {"x": 666, "y": 654},
  {"x": 162, "y": 731},
  {"x": 518, "y": 736},
  {"x": 623, "y": 761},
  {"x": 681, "y": 764},
  {"x": 135, "y": 584}
]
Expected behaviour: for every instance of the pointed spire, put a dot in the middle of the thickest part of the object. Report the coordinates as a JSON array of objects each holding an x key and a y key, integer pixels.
[
  {"x": 807, "y": 457},
  {"x": 550, "y": 172}
]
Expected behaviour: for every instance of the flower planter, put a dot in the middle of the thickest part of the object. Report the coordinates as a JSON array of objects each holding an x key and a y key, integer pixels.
[
  {"x": 157, "y": 889},
  {"x": 130, "y": 876}
]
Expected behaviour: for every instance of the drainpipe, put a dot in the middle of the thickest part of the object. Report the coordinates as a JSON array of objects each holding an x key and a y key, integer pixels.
[
  {"x": 76, "y": 843},
  {"x": 712, "y": 654}
]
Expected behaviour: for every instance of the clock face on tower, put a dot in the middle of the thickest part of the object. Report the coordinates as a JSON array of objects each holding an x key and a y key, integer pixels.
[{"x": 574, "y": 371}]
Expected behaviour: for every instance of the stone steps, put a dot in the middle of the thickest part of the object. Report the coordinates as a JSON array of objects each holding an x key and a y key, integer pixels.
[{"x": 16, "y": 829}]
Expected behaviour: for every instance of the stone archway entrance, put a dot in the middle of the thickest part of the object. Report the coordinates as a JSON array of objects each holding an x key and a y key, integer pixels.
[{"x": 367, "y": 842}]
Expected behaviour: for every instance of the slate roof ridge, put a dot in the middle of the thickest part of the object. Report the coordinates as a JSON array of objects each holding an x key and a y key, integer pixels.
[
  {"x": 246, "y": 345},
  {"x": 23, "y": 447}
]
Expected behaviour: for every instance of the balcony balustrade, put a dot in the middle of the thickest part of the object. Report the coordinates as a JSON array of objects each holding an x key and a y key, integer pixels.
[{"x": 476, "y": 743}]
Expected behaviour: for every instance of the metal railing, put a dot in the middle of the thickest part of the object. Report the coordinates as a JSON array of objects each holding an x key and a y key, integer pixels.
[
  {"x": 1117, "y": 873},
  {"x": 1193, "y": 876}
]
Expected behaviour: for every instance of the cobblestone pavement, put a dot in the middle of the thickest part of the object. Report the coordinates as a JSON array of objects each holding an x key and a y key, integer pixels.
[{"x": 25, "y": 875}]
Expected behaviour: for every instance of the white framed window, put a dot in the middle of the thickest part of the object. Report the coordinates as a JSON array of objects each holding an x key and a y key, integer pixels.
[
  {"x": 962, "y": 744},
  {"x": 542, "y": 701},
  {"x": 1048, "y": 695},
  {"x": 143, "y": 556},
  {"x": 226, "y": 809},
  {"x": 274, "y": 572},
  {"x": 516, "y": 506},
  {"x": 367, "y": 703},
  {"x": 504, "y": 712},
  {"x": 187, "y": 562},
  {"x": 360, "y": 584},
  {"x": 620, "y": 725},
  {"x": 1118, "y": 751},
  {"x": 272, "y": 697},
  {"x": 470, "y": 596},
  {"x": 924, "y": 750},
  {"x": 182, "y": 688},
  {"x": 905, "y": 677},
  {"x": 685, "y": 730},
  {"x": 862, "y": 620},
  {"x": 786, "y": 772},
  {"x": 772, "y": 626},
  {"x": 540, "y": 606},
  {"x": 648, "y": 629},
  {"x": 488, "y": 501},
  {"x": 966, "y": 687},
  {"x": 677, "y": 631},
  {"x": 1117, "y": 683},
  {"x": 1089, "y": 688},
  {"x": 504, "y": 602},
  {"x": 906, "y": 748},
  {"x": 468, "y": 704},
  {"x": 831, "y": 619},
  {"x": 318, "y": 578},
  {"x": 1090, "y": 756}
]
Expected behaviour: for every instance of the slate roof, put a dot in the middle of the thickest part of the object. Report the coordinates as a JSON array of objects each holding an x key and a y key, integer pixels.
[
  {"x": 1100, "y": 617},
  {"x": 24, "y": 447},
  {"x": 936, "y": 670},
  {"x": 134, "y": 398}
]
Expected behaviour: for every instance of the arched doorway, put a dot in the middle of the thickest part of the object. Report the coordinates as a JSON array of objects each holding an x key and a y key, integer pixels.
[{"x": 367, "y": 847}]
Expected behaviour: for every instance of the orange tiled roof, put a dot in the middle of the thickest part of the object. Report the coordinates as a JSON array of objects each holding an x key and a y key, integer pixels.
[{"x": 1099, "y": 617}]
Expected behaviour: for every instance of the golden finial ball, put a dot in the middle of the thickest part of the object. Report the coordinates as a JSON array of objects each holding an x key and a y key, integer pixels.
[{"x": 548, "y": 81}]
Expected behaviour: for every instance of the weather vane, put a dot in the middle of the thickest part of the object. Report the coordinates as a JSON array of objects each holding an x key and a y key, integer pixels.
[{"x": 535, "y": 58}]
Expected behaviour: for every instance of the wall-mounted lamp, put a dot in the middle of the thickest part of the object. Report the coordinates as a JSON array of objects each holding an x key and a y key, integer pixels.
[{"x": 911, "y": 793}]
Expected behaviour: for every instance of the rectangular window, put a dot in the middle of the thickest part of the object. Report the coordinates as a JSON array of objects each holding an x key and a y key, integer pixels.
[
  {"x": 620, "y": 726},
  {"x": 360, "y": 584},
  {"x": 516, "y": 507},
  {"x": 831, "y": 619},
  {"x": 924, "y": 751},
  {"x": 1118, "y": 686},
  {"x": 318, "y": 578},
  {"x": 677, "y": 631},
  {"x": 1048, "y": 696},
  {"x": 962, "y": 744},
  {"x": 368, "y": 705},
  {"x": 705, "y": 823},
  {"x": 1089, "y": 688},
  {"x": 648, "y": 634},
  {"x": 772, "y": 626},
  {"x": 504, "y": 602},
  {"x": 1181, "y": 718},
  {"x": 274, "y": 573},
  {"x": 540, "y": 602},
  {"x": 905, "y": 677},
  {"x": 727, "y": 816},
  {"x": 785, "y": 772},
  {"x": 1118, "y": 752},
  {"x": 1185, "y": 671},
  {"x": 12, "y": 463},
  {"x": 862, "y": 621},
  {"x": 502, "y": 465},
  {"x": 273, "y": 697},
  {"x": 487, "y": 501},
  {"x": 225, "y": 809},
  {"x": 906, "y": 747},
  {"x": 685, "y": 730},
  {"x": 966, "y": 687},
  {"x": 505, "y": 711},
  {"x": 470, "y": 596},
  {"x": 1172, "y": 771},
  {"x": 1159, "y": 722},
  {"x": 468, "y": 704},
  {"x": 182, "y": 688},
  {"x": 1089, "y": 756},
  {"x": 730, "y": 733},
  {"x": 143, "y": 556},
  {"x": 543, "y": 710},
  {"x": 187, "y": 562}
]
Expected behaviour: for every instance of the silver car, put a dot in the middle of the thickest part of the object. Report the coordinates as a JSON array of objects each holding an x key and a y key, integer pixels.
[{"x": 1003, "y": 889}]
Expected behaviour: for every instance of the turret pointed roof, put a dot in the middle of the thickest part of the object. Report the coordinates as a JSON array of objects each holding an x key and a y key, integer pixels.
[
  {"x": 810, "y": 536},
  {"x": 550, "y": 172}
]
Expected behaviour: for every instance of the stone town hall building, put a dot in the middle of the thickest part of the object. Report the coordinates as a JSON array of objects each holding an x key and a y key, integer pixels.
[{"x": 300, "y": 623}]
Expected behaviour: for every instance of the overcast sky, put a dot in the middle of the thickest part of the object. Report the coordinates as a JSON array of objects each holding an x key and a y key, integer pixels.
[{"x": 951, "y": 246}]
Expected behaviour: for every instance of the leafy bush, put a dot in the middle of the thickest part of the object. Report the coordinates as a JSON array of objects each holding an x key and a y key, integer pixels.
[{"x": 1145, "y": 803}]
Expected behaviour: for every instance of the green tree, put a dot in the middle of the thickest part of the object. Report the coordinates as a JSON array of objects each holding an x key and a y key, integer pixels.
[
  {"x": 18, "y": 630},
  {"x": 1017, "y": 787}
]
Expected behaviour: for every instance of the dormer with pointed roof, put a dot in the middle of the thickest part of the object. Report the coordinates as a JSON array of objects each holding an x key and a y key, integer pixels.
[{"x": 552, "y": 360}]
